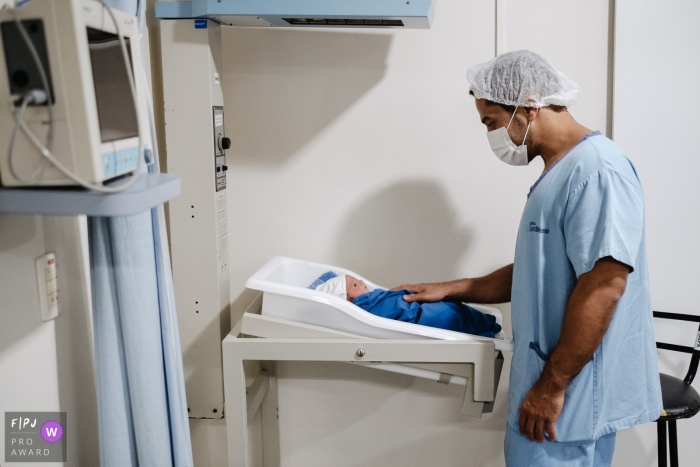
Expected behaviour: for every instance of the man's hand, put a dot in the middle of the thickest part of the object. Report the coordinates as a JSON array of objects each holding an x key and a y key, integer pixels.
[
  {"x": 425, "y": 292},
  {"x": 494, "y": 288},
  {"x": 540, "y": 410}
]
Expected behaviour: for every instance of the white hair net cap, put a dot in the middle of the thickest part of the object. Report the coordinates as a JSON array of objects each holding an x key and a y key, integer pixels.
[
  {"x": 335, "y": 286},
  {"x": 522, "y": 79}
]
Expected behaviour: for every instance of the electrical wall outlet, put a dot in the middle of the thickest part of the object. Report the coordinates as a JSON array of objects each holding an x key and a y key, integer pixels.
[{"x": 47, "y": 280}]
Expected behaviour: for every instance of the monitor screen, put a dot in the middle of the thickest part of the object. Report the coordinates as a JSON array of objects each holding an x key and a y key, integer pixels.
[{"x": 115, "y": 104}]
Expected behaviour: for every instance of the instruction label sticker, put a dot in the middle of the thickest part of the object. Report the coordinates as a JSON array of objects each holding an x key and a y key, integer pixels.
[
  {"x": 221, "y": 227},
  {"x": 200, "y": 24},
  {"x": 222, "y": 246},
  {"x": 218, "y": 119},
  {"x": 697, "y": 341}
]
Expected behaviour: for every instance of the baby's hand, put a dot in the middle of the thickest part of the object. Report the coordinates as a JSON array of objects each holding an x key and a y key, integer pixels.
[{"x": 424, "y": 292}]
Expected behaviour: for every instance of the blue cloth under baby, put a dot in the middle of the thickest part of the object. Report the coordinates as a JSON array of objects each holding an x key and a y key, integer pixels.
[{"x": 450, "y": 315}]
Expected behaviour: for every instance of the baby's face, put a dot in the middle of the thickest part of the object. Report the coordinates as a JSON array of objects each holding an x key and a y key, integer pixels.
[{"x": 355, "y": 287}]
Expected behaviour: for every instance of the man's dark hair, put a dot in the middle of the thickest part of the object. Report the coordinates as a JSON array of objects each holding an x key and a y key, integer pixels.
[
  {"x": 511, "y": 108},
  {"x": 508, "y": 108}
]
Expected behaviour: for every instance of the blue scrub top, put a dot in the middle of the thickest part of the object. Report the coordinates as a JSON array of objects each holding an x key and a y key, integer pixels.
[{"x": 587, "y": 206}]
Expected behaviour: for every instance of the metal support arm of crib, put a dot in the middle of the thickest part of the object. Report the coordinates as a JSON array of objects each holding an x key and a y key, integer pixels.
[{"x": 281, "y": 340}]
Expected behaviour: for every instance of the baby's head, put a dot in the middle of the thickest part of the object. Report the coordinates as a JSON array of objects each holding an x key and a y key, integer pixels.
[
  {"x": 344, "y": 286},
  {"x": 355, "y": 287}
]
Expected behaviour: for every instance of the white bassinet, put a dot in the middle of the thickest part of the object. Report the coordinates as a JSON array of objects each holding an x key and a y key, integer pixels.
[{"x": 284, "y": 283}]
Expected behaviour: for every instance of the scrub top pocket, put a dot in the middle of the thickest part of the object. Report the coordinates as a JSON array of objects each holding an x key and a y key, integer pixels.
[{"x": 576, "y": 422}]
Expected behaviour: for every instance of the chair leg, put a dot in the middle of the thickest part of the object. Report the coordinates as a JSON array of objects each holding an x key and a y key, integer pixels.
[
  {"x": 673, "y": 442},
  {"x": 661, "y": 436}
]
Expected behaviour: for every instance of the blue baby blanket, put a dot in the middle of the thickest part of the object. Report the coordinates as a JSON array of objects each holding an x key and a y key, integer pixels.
[{"x": 450, "y": 315}]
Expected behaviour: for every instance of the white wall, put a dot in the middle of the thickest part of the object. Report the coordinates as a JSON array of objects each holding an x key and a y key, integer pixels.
[
  {"x": 46, "y": 367},
  {"x": 363, "y": 149},
  {"x": 656, "y": 122},
  {"x": 576, "y": 37}
]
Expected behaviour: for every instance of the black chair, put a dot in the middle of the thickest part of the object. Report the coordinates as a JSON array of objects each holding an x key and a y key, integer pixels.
[{"x": 681, "y": 400}]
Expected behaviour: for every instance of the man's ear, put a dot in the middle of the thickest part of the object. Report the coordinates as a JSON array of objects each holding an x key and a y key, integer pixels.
[{"x": 531, "y": 113}]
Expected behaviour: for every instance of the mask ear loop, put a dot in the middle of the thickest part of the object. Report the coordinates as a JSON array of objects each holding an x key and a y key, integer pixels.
[
  {"x": 525, "y": 137},
  {"x": 526, "y": 130},
  {"x": 511, "y": 118}
]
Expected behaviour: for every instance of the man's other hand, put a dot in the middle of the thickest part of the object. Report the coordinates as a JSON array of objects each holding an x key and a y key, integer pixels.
[{"x": 540, "y": 410}]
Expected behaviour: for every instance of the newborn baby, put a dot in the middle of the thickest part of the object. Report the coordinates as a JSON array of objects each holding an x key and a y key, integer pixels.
[{"x": 447, "y": 314}]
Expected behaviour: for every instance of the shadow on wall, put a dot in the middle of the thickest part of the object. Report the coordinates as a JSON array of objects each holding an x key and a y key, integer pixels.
[
  {"x": 284, "y": 87},
  {"x": 419, "y": 422},
  {"x": 405, "y": 233}
]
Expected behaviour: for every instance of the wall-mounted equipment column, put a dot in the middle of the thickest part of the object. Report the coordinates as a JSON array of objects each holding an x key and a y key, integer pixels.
[{"x": 196, "y": 144}]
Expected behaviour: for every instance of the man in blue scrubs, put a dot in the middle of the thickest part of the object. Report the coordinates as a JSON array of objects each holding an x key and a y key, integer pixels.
[{"x": 585, "y": 363}]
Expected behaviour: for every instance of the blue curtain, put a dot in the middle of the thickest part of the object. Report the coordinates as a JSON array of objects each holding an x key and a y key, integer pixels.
[{"x": 142, "y": 408}]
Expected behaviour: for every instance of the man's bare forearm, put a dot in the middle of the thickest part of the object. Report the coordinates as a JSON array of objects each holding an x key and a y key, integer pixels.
[
  {"x": 586, "y": 320},
  {"x": 494, "y": 288}
]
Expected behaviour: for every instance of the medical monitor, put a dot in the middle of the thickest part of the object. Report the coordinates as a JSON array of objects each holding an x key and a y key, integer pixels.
[{"x": 96, "y": 129}]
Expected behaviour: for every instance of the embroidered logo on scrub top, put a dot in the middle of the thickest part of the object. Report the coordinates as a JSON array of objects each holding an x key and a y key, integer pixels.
[{"x": 534, "y": 228}]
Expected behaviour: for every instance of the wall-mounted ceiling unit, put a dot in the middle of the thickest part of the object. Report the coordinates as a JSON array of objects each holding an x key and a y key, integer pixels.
[{"x": 405, "y": 14}]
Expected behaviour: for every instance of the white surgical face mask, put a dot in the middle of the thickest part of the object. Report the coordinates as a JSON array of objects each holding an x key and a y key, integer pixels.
[{"x": 504, "y": 148}]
